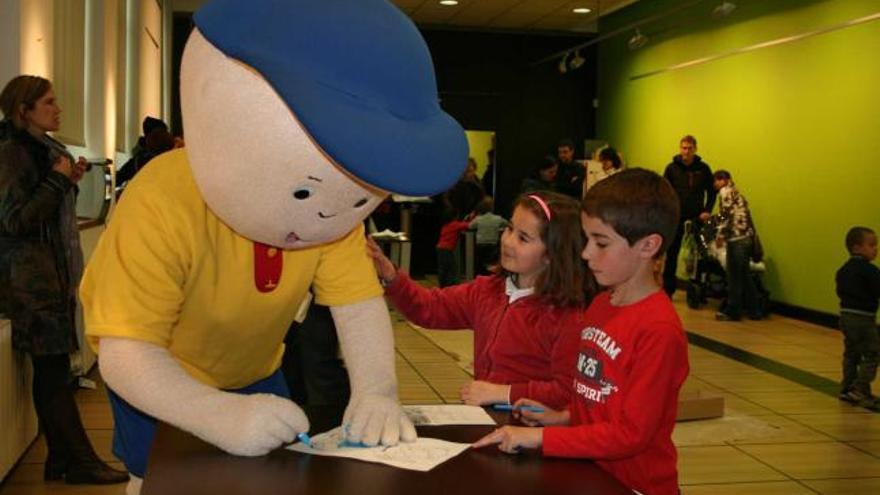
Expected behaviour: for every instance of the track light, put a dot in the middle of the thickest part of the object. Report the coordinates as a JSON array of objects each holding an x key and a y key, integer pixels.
[
  {"x": 637, "y": 41},
  {"x": 723, "y": 10},
  {"x": 563, "y": 63},
  {"x": 577, "y": 61}
]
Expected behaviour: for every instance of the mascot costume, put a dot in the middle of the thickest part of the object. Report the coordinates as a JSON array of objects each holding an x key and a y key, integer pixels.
[{"x": 300, "y": 117}]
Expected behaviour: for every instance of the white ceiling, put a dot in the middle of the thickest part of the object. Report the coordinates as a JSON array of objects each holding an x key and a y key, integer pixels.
[{"x": 517, "y": 15}]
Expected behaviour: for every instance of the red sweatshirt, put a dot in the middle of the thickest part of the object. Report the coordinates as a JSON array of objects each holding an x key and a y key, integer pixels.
[
  {"x": 449, "y": 233},
  {"x": 528, "y": 344},
  {"x": 631, "y": 364}
]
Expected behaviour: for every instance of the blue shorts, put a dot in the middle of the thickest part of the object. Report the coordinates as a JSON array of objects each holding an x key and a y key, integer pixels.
[{"x": 133, "y": 431}]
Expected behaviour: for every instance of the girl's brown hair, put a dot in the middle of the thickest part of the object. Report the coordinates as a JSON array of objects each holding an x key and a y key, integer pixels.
[
  {"x": 22, "y": 92},
  {"x": 566, "y": 281}
]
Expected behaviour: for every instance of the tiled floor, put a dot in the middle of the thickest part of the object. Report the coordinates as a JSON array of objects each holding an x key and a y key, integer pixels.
[{"x": 777, "y": 438}]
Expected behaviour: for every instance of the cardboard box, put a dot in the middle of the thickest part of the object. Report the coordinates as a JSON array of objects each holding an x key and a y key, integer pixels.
[{"x": 699, "y": 405}]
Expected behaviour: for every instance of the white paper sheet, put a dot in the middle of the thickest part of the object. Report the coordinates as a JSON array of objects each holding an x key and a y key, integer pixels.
[
  {"x": 422, "y": 455},
  {"x": 434, "y": 415}
]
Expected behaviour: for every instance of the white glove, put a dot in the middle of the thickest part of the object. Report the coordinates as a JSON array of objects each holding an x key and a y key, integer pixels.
[
  {"x": 148, "y": 378},
  {"x": 370, "y": 416},
  {"x": 251, "y": 424},
  {"x": 373, "y": 413}
]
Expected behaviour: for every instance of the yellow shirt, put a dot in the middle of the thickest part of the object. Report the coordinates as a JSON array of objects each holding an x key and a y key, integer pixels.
[{"x": 169, "y": 272}]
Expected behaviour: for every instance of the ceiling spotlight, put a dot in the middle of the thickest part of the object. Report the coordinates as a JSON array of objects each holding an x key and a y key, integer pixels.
[
  {"x": 637, "y": 41},
  {"x": 723, "y": 10},
  {"x": 581, "y": 10},
  {"x": 576, "y": 61},
  {"x": 449, "y": 2},
  {"x": 563, "y": 63}
]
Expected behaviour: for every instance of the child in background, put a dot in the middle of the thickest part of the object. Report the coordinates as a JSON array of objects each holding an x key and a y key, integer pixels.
[
  {"x": 633, "y": 352},
  {"x": 735, "y": 228},
  {"x": 858, "y": 287},
  {"x": 543, "y": 178},
  {"x": 488, "y": 226},
  {"x": 611, "y": 162},
  {"x": 447, "y": 267},
  {"x": 526, "y": 318}
]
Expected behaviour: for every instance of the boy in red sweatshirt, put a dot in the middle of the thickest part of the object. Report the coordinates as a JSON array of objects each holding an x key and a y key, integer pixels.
[
  {"x": 632, "y": 359},
  {"x": 447, "y": 269}
]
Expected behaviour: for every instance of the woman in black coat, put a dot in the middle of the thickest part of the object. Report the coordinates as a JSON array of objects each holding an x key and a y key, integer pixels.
[{"x": 40, "y": 268}]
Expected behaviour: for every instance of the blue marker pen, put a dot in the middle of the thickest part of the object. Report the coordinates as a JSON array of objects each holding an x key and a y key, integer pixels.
[
  {"x": 510, "y": 407},
  {"x": 304, "y": 438}
]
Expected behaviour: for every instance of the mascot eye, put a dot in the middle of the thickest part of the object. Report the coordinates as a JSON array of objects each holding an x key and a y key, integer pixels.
[
  {"x": 360, "y": 203},
  {"x": 304, "y": 192}
]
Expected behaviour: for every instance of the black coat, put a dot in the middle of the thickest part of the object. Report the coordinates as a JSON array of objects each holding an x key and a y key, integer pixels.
[
  {"x": 35, "y": 286},
  {"x": 694, "y": 186}
]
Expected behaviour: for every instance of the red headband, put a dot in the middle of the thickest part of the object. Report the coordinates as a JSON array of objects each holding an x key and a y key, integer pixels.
[{"x": 542, "y": 204}]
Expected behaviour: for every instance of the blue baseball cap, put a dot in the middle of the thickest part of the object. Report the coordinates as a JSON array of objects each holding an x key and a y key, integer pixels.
[{"x": 359, "y": 77}]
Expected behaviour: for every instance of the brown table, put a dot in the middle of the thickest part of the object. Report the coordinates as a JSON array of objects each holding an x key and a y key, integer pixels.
[{"x": 182, "y": 464}]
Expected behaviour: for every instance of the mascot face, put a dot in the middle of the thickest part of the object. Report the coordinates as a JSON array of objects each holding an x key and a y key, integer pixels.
[{"x": 257, "y": 168}]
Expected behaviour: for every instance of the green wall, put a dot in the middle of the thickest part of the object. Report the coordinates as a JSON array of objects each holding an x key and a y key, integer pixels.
[{"x": 798, "y": 125}]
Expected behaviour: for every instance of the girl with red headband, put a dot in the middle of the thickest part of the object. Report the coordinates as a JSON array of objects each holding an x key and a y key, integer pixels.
[{"x": 526, "y": 318}]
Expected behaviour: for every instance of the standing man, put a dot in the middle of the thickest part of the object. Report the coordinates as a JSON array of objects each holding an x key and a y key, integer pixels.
[
  {"x": 570, "y": 178},
  {"x": 692, "y": 180}
]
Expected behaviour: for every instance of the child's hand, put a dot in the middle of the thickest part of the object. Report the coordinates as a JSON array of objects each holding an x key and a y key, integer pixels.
[
  {"x": 480, "y": 393},
  {"x": 550, "y": 417},
  {"x": 511, "y": 439},
  {"x": 384, "y": 267}
]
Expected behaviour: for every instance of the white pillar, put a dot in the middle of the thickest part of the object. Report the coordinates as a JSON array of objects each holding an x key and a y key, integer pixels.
[
  {"x": 132, "y": 73},
  {"x": 167, "y": 36},
  {"x": 95, "y": 104},
  {"x": 10, "y": 48}
]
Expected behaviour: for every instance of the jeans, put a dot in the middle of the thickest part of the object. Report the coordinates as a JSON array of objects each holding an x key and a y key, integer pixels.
[
  {"x": 315, "y": 374},
  {"x": 670, "y": 281},
  {"x": 447, "y": 268},
  {"x": 861, "y": 350},
  {"x": 133, "y": 429},
  {"x": 487, "y": 254},
  {"x": 741, "y": 292}
]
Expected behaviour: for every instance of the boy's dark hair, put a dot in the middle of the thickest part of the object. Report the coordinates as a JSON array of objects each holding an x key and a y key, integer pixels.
[
  {"x": 722, "y": 175},
  {"x": 485, "y": 205},
  {"x": 610, "y": 154},
  {"x": 150, "y": 124},
  {"x": 567, "y": 281},
  {"x": 565, "y": 143},
  {"x": 689, "y": 139},
  {"x": 856, "y": 236},
  {"x": 635, "y": 203},
  {"x": 549, "y": 161},
  {"x": 158, "y": 141}
]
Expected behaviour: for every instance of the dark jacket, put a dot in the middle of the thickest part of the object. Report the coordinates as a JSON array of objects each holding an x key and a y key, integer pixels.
[
  {"x": 570, "y": 179},
  {"x": 139, "y": 157},
  {"x": 693, "y": 185},
  {"x": 531, "y": 184},
  {"x": 858, "y": 285},
  {"x": 35, "y": 283}
]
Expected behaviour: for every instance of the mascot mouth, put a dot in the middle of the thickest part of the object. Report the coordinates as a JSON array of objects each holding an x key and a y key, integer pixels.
[
  {"x": 291, "y": 238},
  {"x": 322, "y": 215}
]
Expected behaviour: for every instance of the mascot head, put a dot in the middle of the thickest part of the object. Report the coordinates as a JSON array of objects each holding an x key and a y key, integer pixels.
[{"x": 301, "y": 115}]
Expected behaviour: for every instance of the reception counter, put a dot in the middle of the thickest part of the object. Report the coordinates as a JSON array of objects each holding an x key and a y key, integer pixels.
[{"x": 17, "y": 416}]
